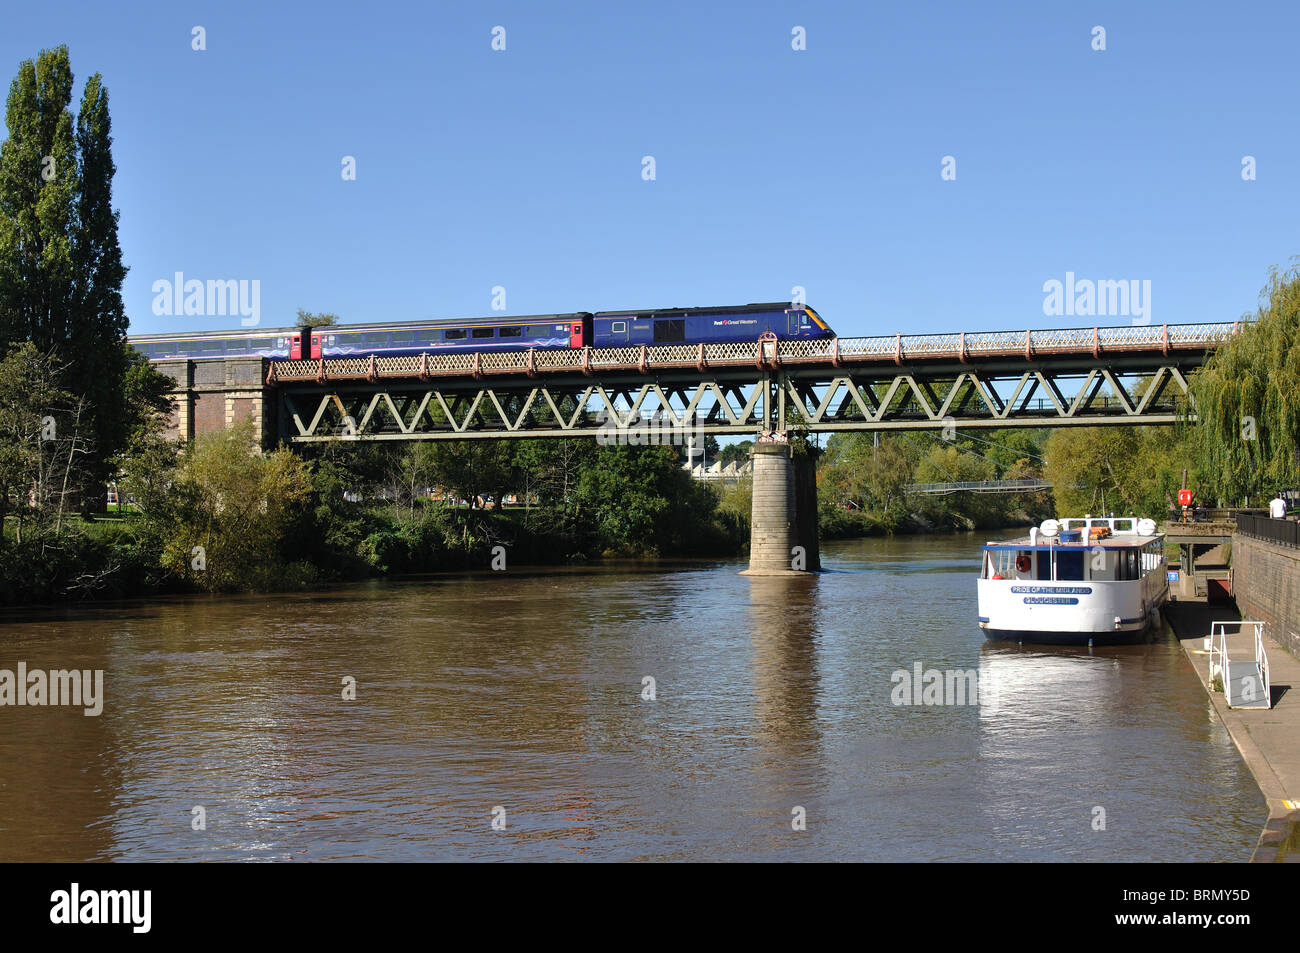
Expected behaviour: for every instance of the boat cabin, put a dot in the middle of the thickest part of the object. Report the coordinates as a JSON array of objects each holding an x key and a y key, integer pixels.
[{"x": 1100, "y": 549}]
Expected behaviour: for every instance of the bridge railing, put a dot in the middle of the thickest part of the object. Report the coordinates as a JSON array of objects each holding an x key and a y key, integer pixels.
[
  {"x": 1283, "y": 532},
  {"x": 835, "y": 351}
]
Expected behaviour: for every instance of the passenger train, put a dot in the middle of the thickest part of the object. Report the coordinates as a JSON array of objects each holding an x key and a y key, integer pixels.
[{"x": 543, "y": 331}]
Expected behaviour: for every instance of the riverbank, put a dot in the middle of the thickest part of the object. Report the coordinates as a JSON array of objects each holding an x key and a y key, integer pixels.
[{"x": 1265, "y": 739}]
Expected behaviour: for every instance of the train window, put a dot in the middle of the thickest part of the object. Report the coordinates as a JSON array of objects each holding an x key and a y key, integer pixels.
[
  {"x": 187, "y": 347},
  {"x": 404, "y": 337},
  {"x": 618, "y": 327},
  {"x": 454, "y": 334},
  {"x": 672, "y": 331},
  {"x": 426, "y": 336},
  {"x": 213, "y": 347},
  {"x": 376, "y": 338},
  {"x": 512, "y": 332},
  {"x": 484, "y": 332}
]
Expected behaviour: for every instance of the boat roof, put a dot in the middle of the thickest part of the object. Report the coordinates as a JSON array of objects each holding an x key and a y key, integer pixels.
[
  {"x": 1123, "y": 535},
  {"x": 1117, "y": 541}
]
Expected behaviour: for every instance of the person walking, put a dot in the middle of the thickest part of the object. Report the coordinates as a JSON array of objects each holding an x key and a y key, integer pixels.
[{"x": 1277, "y": 507}]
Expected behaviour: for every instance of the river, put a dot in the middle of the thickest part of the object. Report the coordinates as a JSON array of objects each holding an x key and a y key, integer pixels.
[{"x": 517, "y": 698}]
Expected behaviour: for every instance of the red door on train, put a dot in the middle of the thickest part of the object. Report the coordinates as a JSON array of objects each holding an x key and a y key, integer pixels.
[{"x": 576, "y": 336}]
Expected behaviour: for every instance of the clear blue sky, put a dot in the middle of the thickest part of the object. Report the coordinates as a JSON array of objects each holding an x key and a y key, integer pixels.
[{"x": 774, "y": 168}]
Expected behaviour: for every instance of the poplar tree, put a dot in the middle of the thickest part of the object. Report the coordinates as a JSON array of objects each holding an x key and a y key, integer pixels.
[
  {"x": 98, "y": 328},
  {"x": 61, "y": 268},
  {"x": 39, "y": 188}
]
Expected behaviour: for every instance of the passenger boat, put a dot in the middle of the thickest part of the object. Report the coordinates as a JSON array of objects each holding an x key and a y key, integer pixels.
[{"x": 1089, "y": 581}]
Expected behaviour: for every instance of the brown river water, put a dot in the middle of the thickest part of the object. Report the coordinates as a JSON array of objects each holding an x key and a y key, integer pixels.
[{"x": 523, "y": 691}]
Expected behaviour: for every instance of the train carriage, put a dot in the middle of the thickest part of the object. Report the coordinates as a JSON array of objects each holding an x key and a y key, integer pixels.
[{"x": 525, "y": 332}]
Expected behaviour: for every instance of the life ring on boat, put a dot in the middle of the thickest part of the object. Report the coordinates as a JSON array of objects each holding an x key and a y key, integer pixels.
[{"x": 1023, "y": 563}]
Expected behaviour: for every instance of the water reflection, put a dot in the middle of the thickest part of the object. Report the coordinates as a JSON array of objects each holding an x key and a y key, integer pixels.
[{"x": 524, "y": 691}]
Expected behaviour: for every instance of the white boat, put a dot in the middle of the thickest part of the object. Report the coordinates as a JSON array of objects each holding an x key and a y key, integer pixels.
[{"x": 1090, "y": 581}]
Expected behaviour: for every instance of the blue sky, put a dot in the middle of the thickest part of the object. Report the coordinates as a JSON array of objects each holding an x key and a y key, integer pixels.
[{"x": 775, "y": 168}]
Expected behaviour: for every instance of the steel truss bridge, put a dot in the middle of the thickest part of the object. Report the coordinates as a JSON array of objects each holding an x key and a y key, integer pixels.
[{"x": 672, "y": 393}]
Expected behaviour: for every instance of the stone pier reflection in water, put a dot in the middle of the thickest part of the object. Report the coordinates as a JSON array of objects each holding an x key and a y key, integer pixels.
[{"x": 523, "y": 691}]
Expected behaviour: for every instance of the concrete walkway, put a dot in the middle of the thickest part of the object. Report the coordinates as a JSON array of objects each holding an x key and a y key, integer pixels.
[{"x": 1269, "y": 740}]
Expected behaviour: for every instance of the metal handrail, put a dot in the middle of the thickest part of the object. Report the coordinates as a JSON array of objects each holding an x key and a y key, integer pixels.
[
  {"x": 1261, "y": 659},
  {"x": 1219, "y": 655},
  {"x": 1281, "y": 531}
]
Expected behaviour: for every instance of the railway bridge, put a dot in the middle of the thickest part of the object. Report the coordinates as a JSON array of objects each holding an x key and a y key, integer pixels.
[{"x": 769, "y": 389}]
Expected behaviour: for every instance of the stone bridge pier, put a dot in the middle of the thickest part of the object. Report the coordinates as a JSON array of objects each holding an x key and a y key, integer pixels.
[
  {"x": 215, "y": 395},
  {"x": 783, "y": 514}
]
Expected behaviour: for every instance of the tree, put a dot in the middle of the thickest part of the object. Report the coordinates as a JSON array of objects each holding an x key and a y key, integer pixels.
[
  {"x": 1129, "y": 470},
  {"x": 308, "y": 319},
  {"x": 1248, "y": 399},
  {"x": 97, "y": 338},
  {"x": 147, "y": 463},
  {"x": 640, "y": 500},
  {"x": 39, "y": 188},
  {"x": 947, "y": 463},
  {"x": 40, "y": 438},
  {"x": 61, "y": 265},
  {"x": 231, "y": 509},
  {"x": 737, "y": 453}
]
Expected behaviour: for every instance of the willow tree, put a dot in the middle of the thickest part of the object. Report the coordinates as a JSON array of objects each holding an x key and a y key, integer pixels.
[{"x": 1248, "y": 399}]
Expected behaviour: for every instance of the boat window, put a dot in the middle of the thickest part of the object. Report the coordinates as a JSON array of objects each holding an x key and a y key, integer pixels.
[
  {"x": 1044, "y": 557},
  {"x": 1069, "y": 564},
  {"x": 454, "y": 334}
]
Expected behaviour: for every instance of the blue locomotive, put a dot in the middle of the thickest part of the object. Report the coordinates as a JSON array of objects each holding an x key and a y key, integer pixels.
[{"x": 581, "y": 329}]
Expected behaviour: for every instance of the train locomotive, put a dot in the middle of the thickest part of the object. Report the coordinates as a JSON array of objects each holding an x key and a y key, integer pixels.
[{"x": 740, "y": 323}]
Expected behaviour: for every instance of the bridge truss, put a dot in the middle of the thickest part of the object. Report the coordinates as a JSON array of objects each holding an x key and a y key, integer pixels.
[{"x": 1076, "y": 377}]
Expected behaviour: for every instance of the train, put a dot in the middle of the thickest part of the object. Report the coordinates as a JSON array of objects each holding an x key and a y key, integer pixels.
[{"x": 655, "y": 327}]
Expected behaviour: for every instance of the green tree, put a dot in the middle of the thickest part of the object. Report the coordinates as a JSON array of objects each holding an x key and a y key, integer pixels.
[
  {"x": 947, "y": 463},
  {"x": 40, "y": 438},
  {"x": 39, "y": 188},
  {"x": 61, "y": 266},
  {"x": 308, "y": 319},
  {"x": 237, "y": 506},
  {"x": 98, "y": 351},
  {"x": 1248, "y": 399},
  {"x": 737, "y": 453},
  {"x": 1125, "y": 470}
]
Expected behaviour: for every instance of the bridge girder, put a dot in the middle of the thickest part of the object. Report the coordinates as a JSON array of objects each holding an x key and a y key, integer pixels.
[{"x": 1128, "y": 390}]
